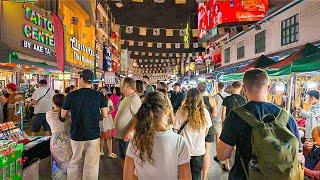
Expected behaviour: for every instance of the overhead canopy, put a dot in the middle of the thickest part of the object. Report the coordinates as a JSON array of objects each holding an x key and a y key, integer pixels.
[
  {"x": 306, "y": 64},
  {"x": 261, "y": 62},
  {"x": 307, "y": 50}
]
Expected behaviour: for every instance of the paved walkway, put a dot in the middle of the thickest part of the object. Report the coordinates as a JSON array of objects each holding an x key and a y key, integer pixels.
[{"x": 110, "y": 169}]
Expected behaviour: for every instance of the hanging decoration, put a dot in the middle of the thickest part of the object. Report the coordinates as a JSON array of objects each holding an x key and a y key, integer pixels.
[
  {"x": 150, "y": 44},
  {"x": 129, "y": 29},
  {"x": 156, "y": 31},
  {"x": 169, "y": 32},
  {"x": 159, "y": 45},
  {"x": 140, "y": 43},
  {"x": 142, "y": 31},
  {"x": 186, "y": 45},
  {"x": 131, "y": 43},
  {"x": 195, "y": 45},
  {"x": 177, "y": 45},
  {"x": 168, "y": 45},
  {"x": 182, "y": 32}
]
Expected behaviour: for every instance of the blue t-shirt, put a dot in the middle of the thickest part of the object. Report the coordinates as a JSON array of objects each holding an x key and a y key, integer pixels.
[
  {"x": 85, "y": 105},
  {"x": 237, "y": 132}
]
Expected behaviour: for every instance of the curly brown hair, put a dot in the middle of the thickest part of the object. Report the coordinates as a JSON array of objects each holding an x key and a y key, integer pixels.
[
  {"x": 150, "y": 114},
  {"x": 193, "y": 108}
]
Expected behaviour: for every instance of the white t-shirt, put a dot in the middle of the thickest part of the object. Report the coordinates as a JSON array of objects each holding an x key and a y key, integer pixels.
[
  {"x": 45, "y": 103},
  {"x": 169, "y": 151},
  {"x": 219, "y": 101},
  {"x": 195, "y": 139}
]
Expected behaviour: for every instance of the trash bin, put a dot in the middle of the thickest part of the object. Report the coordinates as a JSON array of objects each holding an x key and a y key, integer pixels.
[{"x": 32, "y": 171}]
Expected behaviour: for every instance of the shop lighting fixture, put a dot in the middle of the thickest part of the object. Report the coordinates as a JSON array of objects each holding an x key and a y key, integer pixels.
[
  {"x": 119, "y": 4},
  {"x": 311, "y": 85},
  {"x": 280, "y": 87}
]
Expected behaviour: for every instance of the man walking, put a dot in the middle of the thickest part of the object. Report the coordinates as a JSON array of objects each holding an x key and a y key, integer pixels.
[
  {"x": 211, "y": 107},
  {"x": 313, "y": 115},
  {"x": 217, "y": 123},
  {"x": 42, "y": 101},
  {"x": 176, "y": 97},
  {"x": 128, "y": 107},
  {"x": 237, "y": 131},
  {"x": 85, "y": 105}
]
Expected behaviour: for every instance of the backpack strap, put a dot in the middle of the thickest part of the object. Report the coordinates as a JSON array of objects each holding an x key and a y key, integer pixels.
[
  {"x": 283, "y": 117},
  {"x": 247, "y": 116}
]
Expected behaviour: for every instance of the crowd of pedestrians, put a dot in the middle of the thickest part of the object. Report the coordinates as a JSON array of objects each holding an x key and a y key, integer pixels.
[{"x": 164, "y": 134}]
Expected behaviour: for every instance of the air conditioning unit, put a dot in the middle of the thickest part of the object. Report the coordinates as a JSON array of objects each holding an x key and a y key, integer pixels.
[
  {"x": 101, "y": 25},
  {"x": 74, "y": 20}
]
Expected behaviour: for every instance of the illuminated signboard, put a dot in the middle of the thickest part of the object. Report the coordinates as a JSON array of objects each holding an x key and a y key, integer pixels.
[
  {"x": 215, "y": 12},
  {"x": 28, "y": 29}
]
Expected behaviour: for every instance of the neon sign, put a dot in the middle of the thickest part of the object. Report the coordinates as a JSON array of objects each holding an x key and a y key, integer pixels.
[
  {"x": 186, "y": 34},
  {"x": 44, "y": 34}
]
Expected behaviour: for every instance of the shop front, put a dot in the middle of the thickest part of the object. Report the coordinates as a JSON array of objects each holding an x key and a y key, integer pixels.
[
  {"x": 27, "y": 51},
  {"x": 79, "y": 40}
]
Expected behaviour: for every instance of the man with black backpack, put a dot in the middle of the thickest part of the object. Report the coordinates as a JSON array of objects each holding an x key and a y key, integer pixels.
[
  {"x": 228, "y": 103},
  {"x": 266, "y": 137}
]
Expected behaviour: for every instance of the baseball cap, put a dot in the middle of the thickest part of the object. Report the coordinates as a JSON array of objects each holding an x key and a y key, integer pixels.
[
  {"x": 11, "y": 86},
  {"x": 314, "y": 93},
  {"x": 87, "y": 75}
]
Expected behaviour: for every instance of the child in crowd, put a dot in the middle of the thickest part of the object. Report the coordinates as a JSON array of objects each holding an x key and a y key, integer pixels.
[
  {"x": 148, "y": 155},
  {"x": 60, "y": 140},
  {"x": 193, "y": 122},
  {"x": 106, "y": 127}
]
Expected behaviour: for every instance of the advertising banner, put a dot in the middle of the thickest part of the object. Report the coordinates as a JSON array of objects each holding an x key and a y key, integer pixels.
[
  {"x": 59, "y": 41},
  {"x": 107, "y": 58},
  {"x": 216, "y": 12}
]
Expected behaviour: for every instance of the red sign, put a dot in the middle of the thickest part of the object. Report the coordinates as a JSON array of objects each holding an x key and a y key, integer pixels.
[
  {"x": 58, "y": 41},
  {"x": 215, "y": 12}
]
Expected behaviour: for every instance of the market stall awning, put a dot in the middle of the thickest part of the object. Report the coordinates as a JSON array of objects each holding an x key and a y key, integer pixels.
[
  {"x": 229, "y": 69},
  {"x": 261, "y": 62},
  {"x": 307, "y": 50}
]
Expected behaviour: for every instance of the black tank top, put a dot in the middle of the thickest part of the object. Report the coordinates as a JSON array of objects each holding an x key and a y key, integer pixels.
[{"x": 207, "y": 103}]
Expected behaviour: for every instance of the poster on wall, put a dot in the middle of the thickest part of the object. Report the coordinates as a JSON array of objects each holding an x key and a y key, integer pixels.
[
  {"x": 107, "y": 58},
  {"x": 216, "y": 12}
]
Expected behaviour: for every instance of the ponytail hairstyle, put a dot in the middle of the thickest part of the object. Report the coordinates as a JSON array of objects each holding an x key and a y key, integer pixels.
[
  {"x": 193, "y": 108},
  {"x": 150, "y": 114},
  {"x": 58, "y": 100}
]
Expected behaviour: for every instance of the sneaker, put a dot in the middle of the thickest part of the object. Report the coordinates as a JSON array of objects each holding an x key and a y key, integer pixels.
[
  {"x": 101, "y": 153},
  {"x": 112, "y": 155},
  {"x": 224, "y": 167},
  {"x": 216, "y": 159}
]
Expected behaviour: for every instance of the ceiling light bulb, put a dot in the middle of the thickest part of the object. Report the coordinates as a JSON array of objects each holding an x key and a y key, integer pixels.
[{"x": 119, "y": 4}]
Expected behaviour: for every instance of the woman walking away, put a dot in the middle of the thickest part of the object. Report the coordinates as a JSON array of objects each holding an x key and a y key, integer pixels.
[
  {"x": 148, "y": 155},
  {"x": 106, "y": 126},
  {"x": 60, "y": 140},
  {"x": 193, "y": 122}
]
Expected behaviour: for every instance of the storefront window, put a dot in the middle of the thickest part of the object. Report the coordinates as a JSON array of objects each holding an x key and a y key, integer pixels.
[
  {"x": 260, "y": 42},
  {"x": 290, "y": 30},
  {"x": 240, "y": 50},
  {"x": 227, "y": 55}
]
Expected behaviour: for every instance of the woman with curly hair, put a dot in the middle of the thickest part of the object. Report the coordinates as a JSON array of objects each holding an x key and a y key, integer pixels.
[
  {"x": 155, "y": 152},
  {"x": 192, "y": 122}
]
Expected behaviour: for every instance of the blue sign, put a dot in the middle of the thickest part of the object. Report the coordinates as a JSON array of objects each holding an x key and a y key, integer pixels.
[{"x": 107, "y": 58}]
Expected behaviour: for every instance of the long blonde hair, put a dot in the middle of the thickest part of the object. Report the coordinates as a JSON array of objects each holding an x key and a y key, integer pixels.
[{"x": 193, "y": 107}]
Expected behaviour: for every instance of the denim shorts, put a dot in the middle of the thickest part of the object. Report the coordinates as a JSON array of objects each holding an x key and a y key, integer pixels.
[
  {"x": 38, "y": 121},
  {"x": 196, "y": 165}
]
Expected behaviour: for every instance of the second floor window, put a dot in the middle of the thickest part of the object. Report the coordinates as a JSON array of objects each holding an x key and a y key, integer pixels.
[
  {"x": 290, "y": 30},
  {"x": 227, "y": 55},
  {"x": 240, "y": 50},
  {"x": 260, "y": 42}
]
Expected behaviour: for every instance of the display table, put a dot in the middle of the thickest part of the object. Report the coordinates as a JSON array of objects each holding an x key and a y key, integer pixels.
[{"x": 37, "y": 148}]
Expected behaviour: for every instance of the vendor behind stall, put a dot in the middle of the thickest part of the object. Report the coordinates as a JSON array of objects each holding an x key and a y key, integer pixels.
[
  {"x": 13, "y": 100},
  {"x": 313, "y": 115}
]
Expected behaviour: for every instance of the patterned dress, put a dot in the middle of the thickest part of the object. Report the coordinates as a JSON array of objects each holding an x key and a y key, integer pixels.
[{"x": 59, "y": 145}]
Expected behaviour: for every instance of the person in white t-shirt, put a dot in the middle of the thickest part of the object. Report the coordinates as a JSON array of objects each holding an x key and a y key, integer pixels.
[
  {"x": 156, "y": 152},
  {"x": 193, "y": 122},
  {"x": 42, "y": 101}
]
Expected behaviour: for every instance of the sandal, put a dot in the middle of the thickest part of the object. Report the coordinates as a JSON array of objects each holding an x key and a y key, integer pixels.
[{"x": 112, "y": 155}]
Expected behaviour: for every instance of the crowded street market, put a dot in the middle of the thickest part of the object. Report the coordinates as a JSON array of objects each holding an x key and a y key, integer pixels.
[{"x": 159, "y": 89}]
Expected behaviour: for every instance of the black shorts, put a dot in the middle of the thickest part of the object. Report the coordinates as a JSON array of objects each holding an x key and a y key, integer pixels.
[
  {"x": 38, "y": 121},
  {"x": 122, "y": 145},
  {"x": 209, "y": 138},
  {"x": 210, "y": 135},
  {"x": 196, "y": 165}
]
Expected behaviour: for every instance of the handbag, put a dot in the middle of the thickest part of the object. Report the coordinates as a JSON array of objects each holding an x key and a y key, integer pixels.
[{"x": 182, "y": 127}]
